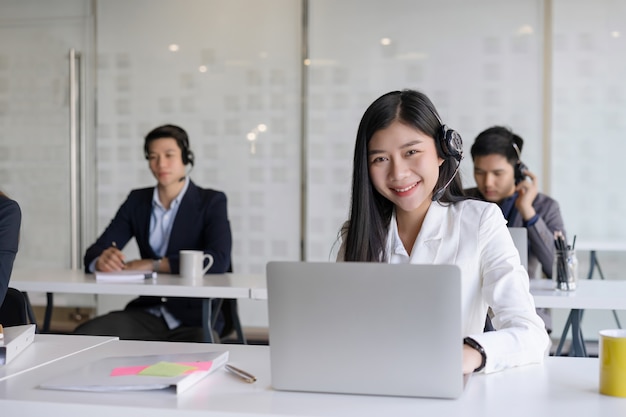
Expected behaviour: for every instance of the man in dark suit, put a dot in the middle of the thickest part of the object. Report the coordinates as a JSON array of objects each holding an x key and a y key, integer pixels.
[
  {"x": 502, "y": 178},
  {"x": 10, "y": 221},
  {"x": 174, "y": 215}
]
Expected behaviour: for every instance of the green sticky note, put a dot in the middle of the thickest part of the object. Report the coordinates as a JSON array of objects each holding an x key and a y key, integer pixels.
[{"x": 166, "y": 369}]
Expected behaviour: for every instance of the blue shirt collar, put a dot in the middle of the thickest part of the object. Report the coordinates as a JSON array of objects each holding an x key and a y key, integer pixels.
[{"x": 508, "y": 206}]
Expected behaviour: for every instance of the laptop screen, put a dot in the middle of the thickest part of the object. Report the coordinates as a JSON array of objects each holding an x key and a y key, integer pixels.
[{"x": 365, "y": 328}]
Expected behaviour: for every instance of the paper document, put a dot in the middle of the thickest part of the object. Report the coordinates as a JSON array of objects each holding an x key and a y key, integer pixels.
[
  {"x": 15, "y": 340},
  {"x": 175, "y": 372},
  {"x": 121, "y": 276}
]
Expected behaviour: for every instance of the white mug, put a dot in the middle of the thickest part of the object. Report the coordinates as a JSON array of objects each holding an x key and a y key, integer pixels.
[{"x": 192, "y": 262}]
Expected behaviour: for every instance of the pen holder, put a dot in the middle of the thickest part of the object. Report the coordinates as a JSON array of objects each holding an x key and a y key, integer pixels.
[{"x": 565, "y": 270}]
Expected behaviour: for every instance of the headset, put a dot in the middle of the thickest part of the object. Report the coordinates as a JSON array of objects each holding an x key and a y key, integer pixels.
[
  {"x": 519, "y": 167},
  {"x": 451, "y": 146}
]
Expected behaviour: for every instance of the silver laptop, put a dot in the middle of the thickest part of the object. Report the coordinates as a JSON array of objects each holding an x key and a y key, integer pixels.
[
  {"x": 520, "y": 239},
  {"x": 365, "y": 328}
]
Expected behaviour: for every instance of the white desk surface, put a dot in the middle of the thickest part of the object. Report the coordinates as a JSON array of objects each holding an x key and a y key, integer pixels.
[
  {"x": 589, "y": 294},
  {"x": 259, "y": 290},
  {"x": 561, "y": 386},
  {"x": 601, "y": 245},
  {"x": 47, "y": 348},
  {"x": 76, "y": 281}
]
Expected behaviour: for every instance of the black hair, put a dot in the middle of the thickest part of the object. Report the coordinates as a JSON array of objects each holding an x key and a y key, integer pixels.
[
  {"x": 370, "y": 213},
  {"x": 170, "y": 131},
  {"x": 498, "y": 140}
]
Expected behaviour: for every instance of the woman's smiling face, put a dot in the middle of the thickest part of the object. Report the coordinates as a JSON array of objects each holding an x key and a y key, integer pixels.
[{"x": 404, "y": 166}]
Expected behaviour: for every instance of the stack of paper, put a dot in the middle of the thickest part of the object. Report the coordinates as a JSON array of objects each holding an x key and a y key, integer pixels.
[
  {"x": 132, "y": 373},
  {"x": 14, "y": 341},
  {"x": 121, "y": 276}
]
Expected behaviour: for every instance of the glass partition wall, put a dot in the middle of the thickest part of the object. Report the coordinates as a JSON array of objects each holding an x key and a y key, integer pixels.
[{"x": 271, "y": 94}]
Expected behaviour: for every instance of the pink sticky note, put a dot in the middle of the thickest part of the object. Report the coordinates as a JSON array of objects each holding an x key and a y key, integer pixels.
[{"x": 128, "y": 370}]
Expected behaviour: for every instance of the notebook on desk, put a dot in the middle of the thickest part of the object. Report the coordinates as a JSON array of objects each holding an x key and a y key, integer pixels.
[{"x": 365, "y": 328}]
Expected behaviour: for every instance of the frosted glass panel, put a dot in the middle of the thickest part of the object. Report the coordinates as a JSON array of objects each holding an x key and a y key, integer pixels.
[
  {"x": 226, "y": 71},
  {"x": 589, "y": 99},
  {"x": 35, "y": 40},
  {"x": 480, "y": 62}
]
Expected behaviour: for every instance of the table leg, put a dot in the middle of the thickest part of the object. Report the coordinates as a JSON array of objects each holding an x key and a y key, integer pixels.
[
  {"x": 594, "y": 263},
  {"x": 568, "y": 323},
  {"x": 577, "y": 348},
  {"x": 207, "y": 320},
  {"x": 47, "y": 318}
]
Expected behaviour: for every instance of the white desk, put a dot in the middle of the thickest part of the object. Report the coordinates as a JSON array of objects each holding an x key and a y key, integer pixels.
[
  {"x": 165, "y": 285},
  {"x": 601, "y": 245},
  {"x": 589, "y": 294},
  {"x": 47, "y": 348},
  {"x": 562, "y": 386}
]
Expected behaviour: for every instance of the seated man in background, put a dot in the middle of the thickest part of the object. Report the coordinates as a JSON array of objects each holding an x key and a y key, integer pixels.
[
  {"x": 502, "y": 178},
  {"x": 10, "y": 221},
  {"x": 175, "y": 214}
]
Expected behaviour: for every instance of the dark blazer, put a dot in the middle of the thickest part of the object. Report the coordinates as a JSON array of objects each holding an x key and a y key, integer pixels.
[
  {"x": 201, "y": 223},
  {"x": 10, "y": 221},
  {"x": 540, "y": 234}
]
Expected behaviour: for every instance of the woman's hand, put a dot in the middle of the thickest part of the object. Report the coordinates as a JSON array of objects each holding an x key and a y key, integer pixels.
[{"x": 472, "y": 359}]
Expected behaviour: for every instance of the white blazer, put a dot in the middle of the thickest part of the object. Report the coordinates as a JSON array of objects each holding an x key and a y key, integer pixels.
[{"x": 473, "y": 235}]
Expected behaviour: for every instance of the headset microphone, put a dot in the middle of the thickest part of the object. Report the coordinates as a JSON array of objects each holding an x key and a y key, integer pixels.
[
  {"x": 187, "y": 174},
  {"x": 437, "y": 195}
]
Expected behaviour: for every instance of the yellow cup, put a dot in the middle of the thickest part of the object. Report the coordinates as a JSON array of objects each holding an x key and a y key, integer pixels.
[{"x": 612, "y": 357}]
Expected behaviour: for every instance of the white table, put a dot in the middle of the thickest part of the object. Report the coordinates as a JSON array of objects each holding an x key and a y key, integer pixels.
[
  {"x": 47, "y": 348},
  {"x": 561, "y": 386},
  {"x": 589, "y": 294},
  {"x": 165, "y": 285},
  {"x": 594, "y": 246}
]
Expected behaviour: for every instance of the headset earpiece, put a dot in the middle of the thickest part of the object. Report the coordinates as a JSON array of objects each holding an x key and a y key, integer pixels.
[
  {"x": 188, "y": 157},
  {"x": 519, "y": 167},
  {"x": 451, "y": 143}
]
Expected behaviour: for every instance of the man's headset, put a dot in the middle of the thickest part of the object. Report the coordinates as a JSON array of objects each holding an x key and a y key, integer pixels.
[
  {"x": 519, "y": 167},
  {"x": 451, "y": 146}
]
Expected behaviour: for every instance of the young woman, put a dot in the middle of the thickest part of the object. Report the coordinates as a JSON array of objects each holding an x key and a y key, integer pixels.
[{"x": 408, "y": 207}]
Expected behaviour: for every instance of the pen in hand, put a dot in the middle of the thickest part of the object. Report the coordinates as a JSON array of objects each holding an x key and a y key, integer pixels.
[
  {"x": 240, "y": 373},
  {"x": 113, "y": 244}
]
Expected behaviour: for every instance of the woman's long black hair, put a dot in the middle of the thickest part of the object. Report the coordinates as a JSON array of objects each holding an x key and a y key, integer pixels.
[{"x": 365, "y": 233}]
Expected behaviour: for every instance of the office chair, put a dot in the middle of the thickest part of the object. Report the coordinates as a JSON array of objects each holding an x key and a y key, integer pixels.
[{"x": 16, "y": 309}]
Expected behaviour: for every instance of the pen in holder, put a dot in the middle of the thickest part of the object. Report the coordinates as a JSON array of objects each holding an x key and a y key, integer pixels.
[{"x": 565, "y": 267}]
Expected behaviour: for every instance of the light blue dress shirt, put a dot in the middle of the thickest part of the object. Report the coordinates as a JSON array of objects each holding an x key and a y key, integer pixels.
[{"x": 161, "y": 222}]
